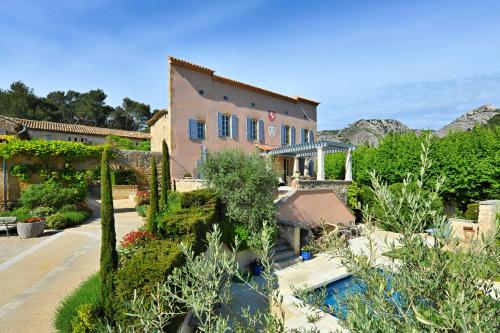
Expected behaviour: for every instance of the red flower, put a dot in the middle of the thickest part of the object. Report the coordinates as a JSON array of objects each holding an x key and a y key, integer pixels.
[
  {"x": 136, "y": 237},
  {"x": 33, "y": 219},
  {"x": 142, "y": 197}
]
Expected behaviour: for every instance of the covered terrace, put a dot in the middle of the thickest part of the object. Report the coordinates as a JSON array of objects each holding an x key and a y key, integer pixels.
[{"x": 307, "y": 151}]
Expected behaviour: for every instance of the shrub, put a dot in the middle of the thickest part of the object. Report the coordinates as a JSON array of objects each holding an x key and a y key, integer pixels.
[
  {"x": 21, "y": 213},
  {"x": 198, "y": 198},
  {"x": 51, "y": 194},
  {"x": 42, "y": 211},
  {"x": 147, "y": 267},
  {"x": 85, "y": 319},
  {"x": 142, "y": 210},
  {"x": 67, "y": 218},
  {"x": 86, "y": 293},
  {"x": 472, "y": 212},
  {"x": 189, "y": 226}
]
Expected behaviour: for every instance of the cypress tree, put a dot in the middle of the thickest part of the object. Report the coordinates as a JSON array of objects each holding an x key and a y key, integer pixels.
[
  {"x": 109, "y": 256},
  {"x": 165, "y": 176},
  {"x": 153, "y": 199}
]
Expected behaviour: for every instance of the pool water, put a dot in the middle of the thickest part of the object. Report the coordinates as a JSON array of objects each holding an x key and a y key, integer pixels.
[{"x": 337, "y": 291}]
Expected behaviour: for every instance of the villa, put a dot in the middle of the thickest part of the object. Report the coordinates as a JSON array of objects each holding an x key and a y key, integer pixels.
[{"x": 211, "y": 112}]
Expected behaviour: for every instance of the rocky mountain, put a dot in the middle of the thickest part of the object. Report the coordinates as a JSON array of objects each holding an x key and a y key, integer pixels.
[
  {"x": 365, "y": 131},
  {"x": 372, "y": 130},
  {"x": 468, "y": 120}
]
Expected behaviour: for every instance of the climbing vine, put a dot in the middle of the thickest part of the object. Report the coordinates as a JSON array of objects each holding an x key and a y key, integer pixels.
[{"x": 49, "y": 150}]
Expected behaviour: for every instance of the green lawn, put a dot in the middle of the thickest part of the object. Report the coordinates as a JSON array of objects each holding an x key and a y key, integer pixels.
[{"x": 87, "y": 292}]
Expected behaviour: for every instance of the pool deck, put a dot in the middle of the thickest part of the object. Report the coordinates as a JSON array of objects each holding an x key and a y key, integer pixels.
[{"x": 320, "y": 271}]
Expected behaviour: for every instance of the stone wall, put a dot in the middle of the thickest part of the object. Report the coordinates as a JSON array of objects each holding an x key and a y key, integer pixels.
[
  {"x": 486, "y": 224},
  {"x": 339, "y": 187},
  {"x": 188, "y": 185}
]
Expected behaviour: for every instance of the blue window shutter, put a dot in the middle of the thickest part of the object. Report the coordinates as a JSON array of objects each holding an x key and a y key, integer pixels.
[
  {"x": 234, "y": 126},
  {"x": 283, "y": 135},
  {"x": 311, "y": 167},
  {"x": 302, "y": 135},
  {"x": 193, "y": 132},
  {"x": 261, "y": 131},
  {"x": 219, "y": 124},
  {"x": 292, "y": 131},
  {"x": 249, "y": 129},
  {"x": 311, "y": 136}
]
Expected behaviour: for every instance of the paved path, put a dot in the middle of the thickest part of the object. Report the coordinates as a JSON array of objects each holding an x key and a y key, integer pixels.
[{"x": 36, "y": 274}]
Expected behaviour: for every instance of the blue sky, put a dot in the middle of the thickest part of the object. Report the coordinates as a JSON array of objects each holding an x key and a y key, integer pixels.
[{"x": 421, "y": 62}]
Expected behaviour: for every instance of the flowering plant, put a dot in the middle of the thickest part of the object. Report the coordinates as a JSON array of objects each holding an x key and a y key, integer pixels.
[
  {"x": 132, "y": 242},
  {"x": 136, "y": 238},
  {"x": 142, "y": 197},
  {"x": 33, "y": 220}
]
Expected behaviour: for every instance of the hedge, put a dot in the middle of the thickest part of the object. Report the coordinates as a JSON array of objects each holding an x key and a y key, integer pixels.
[{"x": 147, "y": 267}]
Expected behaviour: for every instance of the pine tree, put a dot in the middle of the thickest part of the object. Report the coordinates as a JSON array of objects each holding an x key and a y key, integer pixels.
[
  {"x": 153, "y": 199},
  {"x": 109, "y": 256},
  {"x": 165, "y": 176}
]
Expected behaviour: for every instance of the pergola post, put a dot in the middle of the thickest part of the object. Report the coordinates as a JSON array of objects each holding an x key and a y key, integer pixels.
[
  {"x": 348, "y": 165},
  {"x": 321, "y": 164},
  {"x": 306, "y": 167},
  {"x": 296, "y": 168}
]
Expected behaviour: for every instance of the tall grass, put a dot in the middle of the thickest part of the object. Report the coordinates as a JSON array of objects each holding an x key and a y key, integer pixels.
[{"x": 87, "y": 292}]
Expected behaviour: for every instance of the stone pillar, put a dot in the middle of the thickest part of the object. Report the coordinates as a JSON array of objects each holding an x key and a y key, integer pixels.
[
  {"x": 306, "y": 167},
  {"x": 321, "y": 164},
  {"x": 487, "y": 216},
  {"x": 296, "y": 240},
  {"x": 296, "y": 169},
  {"x": 348, "y": 166}
]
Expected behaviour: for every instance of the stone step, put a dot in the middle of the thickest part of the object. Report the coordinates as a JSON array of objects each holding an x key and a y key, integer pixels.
[
  {"x": 286, "y": 262},
  {"x": 280, "y": 241},
  {"x": 284, "y": 254},
  {"x": 281, "y": 247}
]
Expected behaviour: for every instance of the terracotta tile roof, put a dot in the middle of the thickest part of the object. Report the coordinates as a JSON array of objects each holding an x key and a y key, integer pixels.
[
  {"x": 205, "y": 70},
  {"x": 156, "y": 116},
  {"x": 78, "y": 129},
  {"x": 264, "y": 147}
]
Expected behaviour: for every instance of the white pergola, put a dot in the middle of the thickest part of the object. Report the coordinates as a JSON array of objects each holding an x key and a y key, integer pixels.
[{"x": 319, "y": 149}]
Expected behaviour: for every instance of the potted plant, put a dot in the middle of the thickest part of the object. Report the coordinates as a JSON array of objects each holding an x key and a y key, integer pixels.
[
  {"x": 307, "y": 252},
  {"x": 31, "y": 227},
  {"x": 256, "y": 267}
]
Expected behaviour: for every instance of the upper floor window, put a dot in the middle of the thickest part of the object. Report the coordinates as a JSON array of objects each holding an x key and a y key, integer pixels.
[
  {"x": 288, "y": 131},
  {"x": 252, "y": 129},
  {"x": 196, "y": 129},
  {"x": 226, "y": 125}
]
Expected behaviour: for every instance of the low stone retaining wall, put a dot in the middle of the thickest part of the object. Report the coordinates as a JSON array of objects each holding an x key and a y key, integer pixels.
[
  {"x": 339, "y": 187},
  {"x": 188, "y": 185},
  {"x": 485, "y": 225},
  {"x": 119, "y": 191}
]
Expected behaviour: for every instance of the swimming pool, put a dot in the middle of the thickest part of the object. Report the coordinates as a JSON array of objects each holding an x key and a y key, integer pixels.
[{"x": 338, "y": 291}]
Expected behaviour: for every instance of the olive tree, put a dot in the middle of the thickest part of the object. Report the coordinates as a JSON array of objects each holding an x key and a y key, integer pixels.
[
  {"x": 246, "y": 183},
  {"x": 422, "y": 286}
]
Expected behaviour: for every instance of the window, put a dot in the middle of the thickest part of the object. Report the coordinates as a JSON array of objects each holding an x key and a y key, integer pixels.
[
  {"x": 69, "y": 138},
  {"x": 252, "y": 104},
  {"x": 200, "y": 130},
  {"x": 225, "y": 98},
  {"x": 305, "y": 136},
  {"x": 286, "y": 112},
  {"x": 196, "y": 129},
  {"x": 226, "y": 125},
  {"x": 252, "y": 129},
  {"x": 287, "y": 134},
  {"x": 201, "y": 92}
]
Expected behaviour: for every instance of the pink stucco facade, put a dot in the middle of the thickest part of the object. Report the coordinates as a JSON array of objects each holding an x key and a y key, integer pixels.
[{"x": 197, "y": 94}]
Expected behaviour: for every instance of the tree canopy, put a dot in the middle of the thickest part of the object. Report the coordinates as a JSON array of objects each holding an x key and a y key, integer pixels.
[{"x": 73, "y": 107}]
